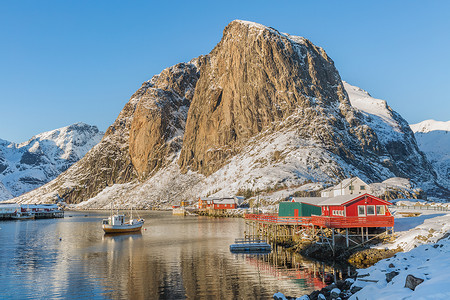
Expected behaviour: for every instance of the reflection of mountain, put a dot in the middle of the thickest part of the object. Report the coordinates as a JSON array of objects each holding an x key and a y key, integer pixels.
[
  {"x": 183, "y": 258},
  {"x": 174, "y": 258}
]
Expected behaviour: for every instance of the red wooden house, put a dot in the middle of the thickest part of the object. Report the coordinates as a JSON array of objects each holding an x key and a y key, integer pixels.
[
  {"x": 219, "y": 203},
  {"x": 348, "y": 211},
  {"x": 354, "y": 206}
]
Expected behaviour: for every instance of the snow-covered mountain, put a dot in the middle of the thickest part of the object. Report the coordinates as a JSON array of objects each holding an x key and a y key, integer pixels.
[
  {"x": 26, "y": 166},
  {"x": 433, "y": 138},
  {"x": 262, "y": 111}
]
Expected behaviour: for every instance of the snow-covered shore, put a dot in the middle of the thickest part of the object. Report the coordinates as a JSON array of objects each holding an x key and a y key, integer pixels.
[
  {"x": 427, "y": 256},
  {"x": 425, "y": 260}
]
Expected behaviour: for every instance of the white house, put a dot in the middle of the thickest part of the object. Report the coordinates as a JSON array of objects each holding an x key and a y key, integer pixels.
[
  {"x": 8, "y": 208},
  {"x": 349, "y": 186}
]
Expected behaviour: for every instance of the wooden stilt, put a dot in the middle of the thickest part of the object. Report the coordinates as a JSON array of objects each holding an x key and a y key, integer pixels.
[{"x": 346, "y": 237}]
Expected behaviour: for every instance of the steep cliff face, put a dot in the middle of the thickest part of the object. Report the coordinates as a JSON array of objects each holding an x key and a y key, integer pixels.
[
  {"x": 258, "y": 81},
  {"x": 252, "y": 80},
  {"x": 157, "y": 128}
]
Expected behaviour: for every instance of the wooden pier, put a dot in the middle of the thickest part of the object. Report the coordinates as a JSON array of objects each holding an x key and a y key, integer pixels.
[{"x": 350, "y": 232}]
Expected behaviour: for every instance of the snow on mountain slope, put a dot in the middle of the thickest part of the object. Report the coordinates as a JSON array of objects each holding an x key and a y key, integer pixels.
[
  {"x": 28, "y": 165},
  {"x": 433, "y": 138},
  {"x": 378, "y": 114},
  {"x": 430, "y": 125},
  {"x": 4, "y": 193}
]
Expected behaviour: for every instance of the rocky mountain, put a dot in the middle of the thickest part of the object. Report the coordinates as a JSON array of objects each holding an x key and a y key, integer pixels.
[
  {"x": 26, "y": 166},
  {"x": 433, "y": 138},
  {"x": 264, "y": 110}
]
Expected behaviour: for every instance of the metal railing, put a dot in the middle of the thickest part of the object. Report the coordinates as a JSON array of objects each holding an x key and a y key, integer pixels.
[{"x": 420, "y": 207}]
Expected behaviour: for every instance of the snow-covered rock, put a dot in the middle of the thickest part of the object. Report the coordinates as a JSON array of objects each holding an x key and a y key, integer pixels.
[{"x": 28, "y": 165}]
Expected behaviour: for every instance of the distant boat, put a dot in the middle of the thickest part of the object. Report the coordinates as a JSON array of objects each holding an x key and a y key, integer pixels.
[
  {"x": 22, "y": 216},
  {"x": 116, "y": 223}
]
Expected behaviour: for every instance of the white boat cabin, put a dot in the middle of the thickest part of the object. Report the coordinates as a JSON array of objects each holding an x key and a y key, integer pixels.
[{"x": 114, "y": 220}]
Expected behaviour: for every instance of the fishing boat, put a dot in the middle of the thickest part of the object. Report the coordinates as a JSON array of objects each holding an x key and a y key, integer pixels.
[
  {"x": 22, "y": 216},
  {"x": 116, "y": 223}
]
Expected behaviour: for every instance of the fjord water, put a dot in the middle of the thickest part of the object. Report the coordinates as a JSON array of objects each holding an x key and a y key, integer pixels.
[{"x": 173, "y": 258}]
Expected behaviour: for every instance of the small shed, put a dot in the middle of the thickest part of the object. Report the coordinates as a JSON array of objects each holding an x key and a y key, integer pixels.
[{"x": 298, "y": 209}]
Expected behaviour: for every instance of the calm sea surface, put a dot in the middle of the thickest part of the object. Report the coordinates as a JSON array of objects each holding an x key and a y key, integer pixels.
[{"x": 173, "y": 258}]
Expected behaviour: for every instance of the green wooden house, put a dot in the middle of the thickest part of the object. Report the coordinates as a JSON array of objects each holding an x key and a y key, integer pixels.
[{"x": 298, "y": 209}]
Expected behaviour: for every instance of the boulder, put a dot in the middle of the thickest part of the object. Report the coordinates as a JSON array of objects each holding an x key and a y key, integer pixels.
[
  {"x": 355, "y": 289},
  {"x": 412, "y": 282},
  {"x": 335, "y": 293},
  {"x": 391, "y": 275}
]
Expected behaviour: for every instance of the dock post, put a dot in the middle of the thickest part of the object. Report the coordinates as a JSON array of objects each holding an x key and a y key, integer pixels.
[
  {"x": 362, "y": 234},
  {"x": 334, "y": 242},
  {"x": 346, "y": 237}
]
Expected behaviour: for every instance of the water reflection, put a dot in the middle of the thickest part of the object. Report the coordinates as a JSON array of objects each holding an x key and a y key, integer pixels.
[{"x": 173, "y": 258}]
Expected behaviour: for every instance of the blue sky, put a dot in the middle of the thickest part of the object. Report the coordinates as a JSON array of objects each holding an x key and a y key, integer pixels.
[{"x": 63, "y": 62}]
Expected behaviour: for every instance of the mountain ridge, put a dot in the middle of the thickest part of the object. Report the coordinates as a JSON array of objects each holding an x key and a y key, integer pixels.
[
  {"x": 43, "y": 157},
  {"x": 262, "y": 109},
  {"x": 433, "y": 138}
]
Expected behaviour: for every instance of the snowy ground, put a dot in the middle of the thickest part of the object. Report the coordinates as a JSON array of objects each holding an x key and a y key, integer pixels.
[
  {"x": 426, "y": 256},
  {"x": 428, "y": 262}
]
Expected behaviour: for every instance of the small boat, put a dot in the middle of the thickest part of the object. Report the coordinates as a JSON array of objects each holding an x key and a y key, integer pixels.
[
  {"x": 22, "y": 216},
  {"x": 253, "y": 245},
  {"x": 116, "y": 224}
]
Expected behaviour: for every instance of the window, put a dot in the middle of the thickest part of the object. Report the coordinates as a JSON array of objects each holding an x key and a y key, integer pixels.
[
  {"x": 370, "y": 210},
  {"x": 381, "y": 210},
  {"x": 361, "y": 210},
  {"x": 351, "y": 188},
  {"x": 338, "y": 213},
  {"x": 362, "y": 188}
]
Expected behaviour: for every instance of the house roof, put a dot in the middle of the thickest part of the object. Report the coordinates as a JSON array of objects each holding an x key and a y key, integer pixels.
[
  {"x": 338, "y": 200},
  {"x": 345, "y": 183},
  {"x": 9, "y": 205},
  {"x": 44, "y": 206},
  {"x": 207, "y": 198},
  {"x": 224, "y": 201},
  {"x": 309, "y": 200}
]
